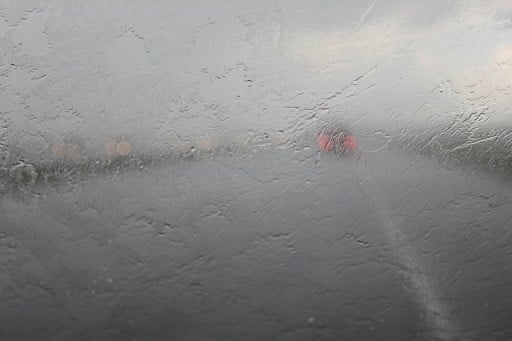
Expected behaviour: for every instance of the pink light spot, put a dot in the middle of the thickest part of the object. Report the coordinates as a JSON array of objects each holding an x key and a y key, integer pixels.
[
  {"x": 349, "y": 142},
  {"x": 325, "y": 142}
]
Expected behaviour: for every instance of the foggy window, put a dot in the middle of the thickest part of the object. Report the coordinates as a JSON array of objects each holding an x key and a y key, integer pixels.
[{"x": 255, "y": 170}]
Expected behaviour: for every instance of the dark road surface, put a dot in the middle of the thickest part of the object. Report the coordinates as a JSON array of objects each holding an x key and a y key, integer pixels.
[{"x": 266, "y": 247}]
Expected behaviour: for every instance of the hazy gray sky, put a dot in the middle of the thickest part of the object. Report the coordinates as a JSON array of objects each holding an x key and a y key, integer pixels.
[{"x": 159, "y": 70}]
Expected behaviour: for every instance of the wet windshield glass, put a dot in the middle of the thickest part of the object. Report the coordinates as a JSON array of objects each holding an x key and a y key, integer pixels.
[{"x": 255, "y": 170}]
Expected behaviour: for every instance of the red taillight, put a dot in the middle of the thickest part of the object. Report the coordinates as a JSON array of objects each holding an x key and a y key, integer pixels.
[
  {"x": 325, "y": 142},
  {"x": 349, "y": 142}
]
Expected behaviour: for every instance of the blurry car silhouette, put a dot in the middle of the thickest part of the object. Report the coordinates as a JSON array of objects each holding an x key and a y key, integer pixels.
[{"x": 337, "y": 140}]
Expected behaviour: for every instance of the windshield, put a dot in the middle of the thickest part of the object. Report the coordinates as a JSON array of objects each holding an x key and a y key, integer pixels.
[{"x": 255, "y": 170}]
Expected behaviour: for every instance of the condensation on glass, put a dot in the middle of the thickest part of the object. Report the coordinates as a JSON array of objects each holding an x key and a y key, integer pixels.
[{"x": 265, "y": 170}]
